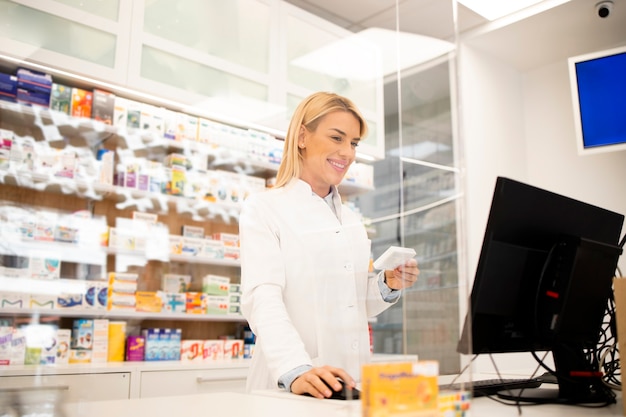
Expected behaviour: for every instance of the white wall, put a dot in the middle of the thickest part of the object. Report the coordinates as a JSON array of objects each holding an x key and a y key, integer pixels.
[{"x": 520, "y": 125}]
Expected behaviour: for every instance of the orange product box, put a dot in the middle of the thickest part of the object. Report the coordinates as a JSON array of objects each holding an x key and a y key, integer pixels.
[
  {"x": 195, "y": 303},
  {"x": 400, "y": 389},
  {"x": 82, "y": 101}
]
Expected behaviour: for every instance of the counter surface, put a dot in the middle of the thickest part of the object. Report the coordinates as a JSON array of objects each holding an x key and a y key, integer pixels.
[{"x": 278, "y": 404}]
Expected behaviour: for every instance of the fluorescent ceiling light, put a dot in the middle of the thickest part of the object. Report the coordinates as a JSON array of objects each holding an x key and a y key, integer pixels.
[
  {"x": 372, "y": 53},
  {"x": 495, "y": 9}
]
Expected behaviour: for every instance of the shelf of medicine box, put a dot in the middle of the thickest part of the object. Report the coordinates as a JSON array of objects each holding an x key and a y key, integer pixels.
[
  {"x": 54, "y": 184},
  {"x": 92, "y": 254},
  {"x": 119, "y": 314},
  {"x": 190, "y": 259},
  {"x": 125, "y": 197},
  {"x": 205, "y": 261},
  {"x": 142, "y": 200},
  {"x": 42, "y": 123}
]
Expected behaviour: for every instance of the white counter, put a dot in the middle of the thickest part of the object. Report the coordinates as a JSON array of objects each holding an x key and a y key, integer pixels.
[{"x": 278, "y": 404}]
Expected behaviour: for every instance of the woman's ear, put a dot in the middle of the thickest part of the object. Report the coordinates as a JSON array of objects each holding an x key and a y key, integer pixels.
[{"x": 301, "y": 137}]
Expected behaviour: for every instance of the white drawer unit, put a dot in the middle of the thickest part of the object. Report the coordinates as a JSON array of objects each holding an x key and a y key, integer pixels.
[
  {"x": 184, "y": 382},
  {"x": 75, "y": 387}
]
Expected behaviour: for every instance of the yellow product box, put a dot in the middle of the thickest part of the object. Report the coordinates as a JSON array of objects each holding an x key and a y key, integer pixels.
[
  {"x": 117, "y": 341},
  {"x": 148, "y": 302},
  {"x": 177, "y": 180},
  {"x": 407, "y": 389}
]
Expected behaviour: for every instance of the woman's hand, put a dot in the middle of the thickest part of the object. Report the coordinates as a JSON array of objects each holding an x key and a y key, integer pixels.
[
  {"x": 403, "y": 276},
  {"x": 312, "y": 381}
]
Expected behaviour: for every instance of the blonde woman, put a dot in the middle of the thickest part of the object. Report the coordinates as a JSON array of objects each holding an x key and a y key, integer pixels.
[{"x": 305, "y": 257}]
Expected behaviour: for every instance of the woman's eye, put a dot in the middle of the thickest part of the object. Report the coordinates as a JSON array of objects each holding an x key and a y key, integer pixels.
[
  {"x": 337, "y": 138},
  {"x": 355, "y": 144}
]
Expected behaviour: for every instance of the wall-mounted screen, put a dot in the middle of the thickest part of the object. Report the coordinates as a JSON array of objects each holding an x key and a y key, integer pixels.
[{"x": 598, "y": 83}]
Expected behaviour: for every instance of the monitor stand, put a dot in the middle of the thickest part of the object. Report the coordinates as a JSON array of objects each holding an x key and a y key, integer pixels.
[{"x": 578, "y": 382}]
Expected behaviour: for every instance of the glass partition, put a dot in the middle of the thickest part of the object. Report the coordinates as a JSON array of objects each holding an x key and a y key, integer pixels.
[{"x": 148, "y": 174}]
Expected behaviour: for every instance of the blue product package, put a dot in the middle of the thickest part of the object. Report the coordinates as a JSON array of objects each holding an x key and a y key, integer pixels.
[
  {"x": 152, "y": 344},
  {"x": 103, "y": 296},
  {"x": 32, "y": 97},
  {"x": 34, "y": 81},
  {"x": 90, "y": 296},
  {"x": 8, "y": 87}
]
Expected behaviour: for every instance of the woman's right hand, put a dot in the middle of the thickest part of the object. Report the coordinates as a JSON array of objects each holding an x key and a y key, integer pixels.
[{"x": 317, "y": 380}]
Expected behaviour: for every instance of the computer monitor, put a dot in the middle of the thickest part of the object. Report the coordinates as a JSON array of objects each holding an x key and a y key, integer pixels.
[{"x": 543, "y": 282}]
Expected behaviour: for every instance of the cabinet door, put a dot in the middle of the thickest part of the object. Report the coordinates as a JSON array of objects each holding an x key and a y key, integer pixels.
[
  {"x": 164, "y": 383},
  {"x": 214, "y": 55},
  {"x": 76, "y": 387},
  {"x": 89, "y": 38}
]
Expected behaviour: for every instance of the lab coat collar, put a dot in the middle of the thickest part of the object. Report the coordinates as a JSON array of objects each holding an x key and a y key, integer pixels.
[{"x": 304, "y": 187}]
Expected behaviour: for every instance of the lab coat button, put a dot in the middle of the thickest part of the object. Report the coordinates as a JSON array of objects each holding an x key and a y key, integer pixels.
[
  {"x": 348, "y": 267},
  {"x": 355, "y": 345}
]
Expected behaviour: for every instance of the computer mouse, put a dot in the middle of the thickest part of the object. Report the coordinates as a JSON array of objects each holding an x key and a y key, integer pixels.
[{"x": 344, "y": 392}]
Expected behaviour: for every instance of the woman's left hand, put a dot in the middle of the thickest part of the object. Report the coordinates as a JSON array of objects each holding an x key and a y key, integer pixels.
[{"x": 403, "y": 276}]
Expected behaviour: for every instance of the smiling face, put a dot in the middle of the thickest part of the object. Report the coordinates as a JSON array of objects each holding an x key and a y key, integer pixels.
[{"x": 329, "y": 150}]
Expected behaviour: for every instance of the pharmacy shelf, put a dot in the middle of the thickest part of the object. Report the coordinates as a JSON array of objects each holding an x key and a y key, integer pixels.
[
  {"x": 118, "y": 314},
  {"x": 135, "y": 366},
  {"x": 94, "y": 254}
]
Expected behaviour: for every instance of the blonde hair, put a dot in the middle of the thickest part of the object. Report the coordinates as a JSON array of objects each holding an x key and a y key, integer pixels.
[{"x": 309, "y": 113}]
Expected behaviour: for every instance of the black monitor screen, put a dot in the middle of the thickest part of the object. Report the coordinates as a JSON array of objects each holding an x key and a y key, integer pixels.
[{"x": 544, "y": 277}]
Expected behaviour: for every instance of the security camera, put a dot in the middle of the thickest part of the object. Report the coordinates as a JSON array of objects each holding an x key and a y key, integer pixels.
[{"x": 603, "y": 9}]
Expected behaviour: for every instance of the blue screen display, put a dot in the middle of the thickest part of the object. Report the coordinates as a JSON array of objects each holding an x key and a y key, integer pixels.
[{"x": 602, "y": 100}]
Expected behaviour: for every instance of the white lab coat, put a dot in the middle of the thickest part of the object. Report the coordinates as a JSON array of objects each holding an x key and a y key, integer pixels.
[{"x": 304, "y": 279}]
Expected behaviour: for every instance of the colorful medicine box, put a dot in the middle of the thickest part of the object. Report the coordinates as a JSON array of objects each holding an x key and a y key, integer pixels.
[
  {"x": 213, "y": 350},
  {"x": 215, "y": 285},
  {"x": 400, "y": 389},
  {"x": 82, "y": 101},
  {"x": 195, "y": 303},
  {"x": 191, "y": 350},
  {"x": 135, "y": 348},
  {"x": 148, "y": 302}
]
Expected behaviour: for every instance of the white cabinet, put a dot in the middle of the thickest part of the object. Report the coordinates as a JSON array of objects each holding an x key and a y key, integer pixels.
[
  {"x": 245, "y": 62},
  {"x": 201, "y": 380},
  {"x": 91, "y": 38},
  {"x": 75, "y": 387}
]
